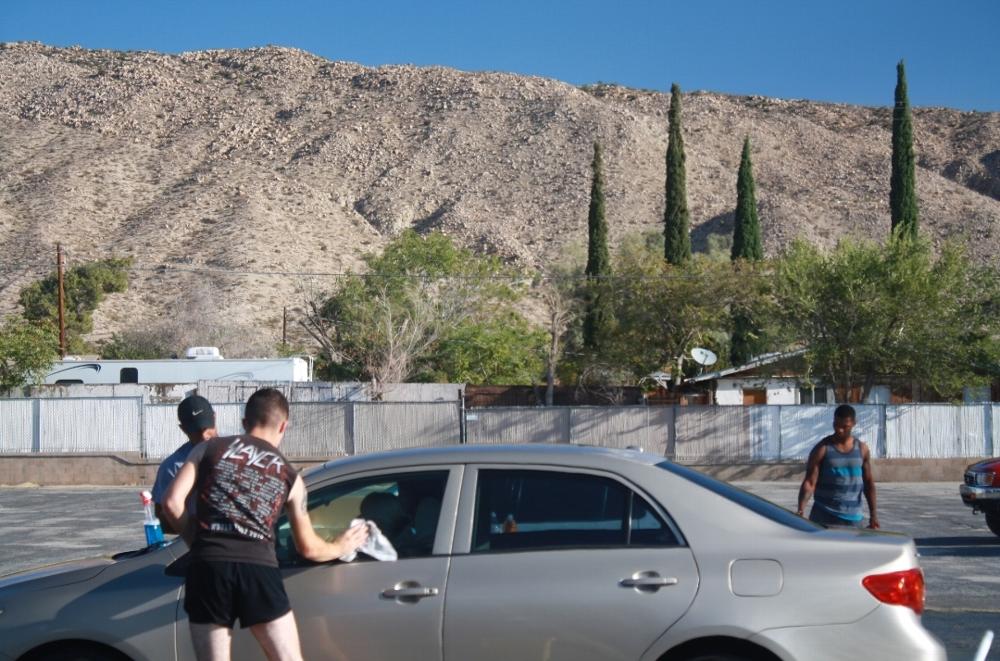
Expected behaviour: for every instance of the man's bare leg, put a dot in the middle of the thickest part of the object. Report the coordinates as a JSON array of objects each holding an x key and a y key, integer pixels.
[
  {"x": 279, "y": 638},
  {"x": 211, "y": 641}
]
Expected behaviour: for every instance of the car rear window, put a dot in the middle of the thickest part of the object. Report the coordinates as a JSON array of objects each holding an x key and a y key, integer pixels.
[
  {"x": 519, "y": 510},
  {"x": 756, "y": 504}
]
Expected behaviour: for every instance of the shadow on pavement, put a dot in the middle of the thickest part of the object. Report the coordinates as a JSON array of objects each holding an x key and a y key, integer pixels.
[{"x": 967, "y": 547}]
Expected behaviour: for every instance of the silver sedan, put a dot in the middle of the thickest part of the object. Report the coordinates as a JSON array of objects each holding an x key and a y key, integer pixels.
[{"x": 525, "y": 552}]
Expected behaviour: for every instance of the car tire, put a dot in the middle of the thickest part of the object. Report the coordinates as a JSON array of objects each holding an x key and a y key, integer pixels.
[
  {"x": 76, "y": 652},
  {"x": 993, "y": 521},
  {"x": 717, "y": 657}
]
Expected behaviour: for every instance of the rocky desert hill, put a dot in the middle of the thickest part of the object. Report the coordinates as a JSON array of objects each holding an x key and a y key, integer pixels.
[{"x": 215, "y": 169}]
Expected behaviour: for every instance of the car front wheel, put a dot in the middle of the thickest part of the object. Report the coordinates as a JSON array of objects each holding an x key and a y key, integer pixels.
[
  {"x": 993, "y": 521},
  {"x": 75, "y": 651}
]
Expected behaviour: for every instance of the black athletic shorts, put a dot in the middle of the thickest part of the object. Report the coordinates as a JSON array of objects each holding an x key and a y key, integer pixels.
[{"x": 222, "y": 592}]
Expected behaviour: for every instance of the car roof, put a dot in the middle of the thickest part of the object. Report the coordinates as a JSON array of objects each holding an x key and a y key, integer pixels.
[{"x": 528, "y": 453}]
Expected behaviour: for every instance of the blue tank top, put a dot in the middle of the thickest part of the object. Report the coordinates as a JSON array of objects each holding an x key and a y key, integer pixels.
[{"x": 840, "y": 484}]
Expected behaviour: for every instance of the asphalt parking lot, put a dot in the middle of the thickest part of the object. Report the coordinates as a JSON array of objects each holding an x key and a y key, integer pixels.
[{"x": 959, "y": 555}]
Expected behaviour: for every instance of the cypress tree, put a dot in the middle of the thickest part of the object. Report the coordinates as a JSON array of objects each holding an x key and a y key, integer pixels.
[
  {"x": 746, "y": 232},
  {"x": 746, "y": 341},
  {"x": 598, "y": 313},
  {"x": 746, "y": 337},
  {"x": 902, "y": 185},
  {"x": 676, "y": 217}
]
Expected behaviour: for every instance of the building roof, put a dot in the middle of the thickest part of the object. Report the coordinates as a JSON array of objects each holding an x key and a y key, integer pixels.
[{"x": 758, "y": 361}]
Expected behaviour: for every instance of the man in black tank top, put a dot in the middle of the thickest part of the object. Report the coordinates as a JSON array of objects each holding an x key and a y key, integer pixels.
[{"x": 242, "y": 484}]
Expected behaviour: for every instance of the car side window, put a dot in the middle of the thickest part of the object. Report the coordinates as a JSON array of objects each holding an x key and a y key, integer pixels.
[
  {"x": 533, "y": 510},
  {"x": 405, "y": 507}
]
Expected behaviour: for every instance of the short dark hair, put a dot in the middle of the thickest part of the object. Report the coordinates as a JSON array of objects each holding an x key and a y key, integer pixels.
[
  {"x": 843, "y": 412},
  {"x": 266, "y": 408}
]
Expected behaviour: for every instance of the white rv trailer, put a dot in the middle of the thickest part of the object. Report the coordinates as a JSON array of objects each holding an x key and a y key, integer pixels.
[{"x": 201, "y": 364}]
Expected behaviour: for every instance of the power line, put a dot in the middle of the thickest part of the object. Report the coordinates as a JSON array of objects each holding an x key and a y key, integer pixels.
[{"x": 165, "y": 270}]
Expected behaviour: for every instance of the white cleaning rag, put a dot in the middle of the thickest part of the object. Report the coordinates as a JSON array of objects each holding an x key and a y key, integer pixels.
[{"x": 376, "y": 546}]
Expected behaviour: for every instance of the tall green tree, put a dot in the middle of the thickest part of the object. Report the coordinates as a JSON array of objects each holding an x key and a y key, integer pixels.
[
  {"x": 746, "y": 231},
  {"x": 27, "y": 351},
  {"x": 747, "y": 340},
  {"x": 676, "y": 217},
  {"x": 598, "y": 317},
  {"x": 902, "y": 184},
  {"x": 85, "y": 287}
]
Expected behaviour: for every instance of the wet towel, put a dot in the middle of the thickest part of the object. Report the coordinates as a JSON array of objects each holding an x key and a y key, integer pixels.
[{"x": 376, "y": 546}]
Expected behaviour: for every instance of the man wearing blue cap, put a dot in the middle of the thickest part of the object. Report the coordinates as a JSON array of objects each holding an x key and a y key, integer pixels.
[{"x": 197, "y": 420}]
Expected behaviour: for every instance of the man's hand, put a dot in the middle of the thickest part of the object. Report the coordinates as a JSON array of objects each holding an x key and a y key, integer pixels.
[
  {"x": 310, "y": 545},
  {"x": 352, "y": 539},
  {"x": 873, "y": 523}
]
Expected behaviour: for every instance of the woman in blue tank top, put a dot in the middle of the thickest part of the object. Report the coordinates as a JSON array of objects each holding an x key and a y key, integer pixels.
[{"x": 838, "y": 473}]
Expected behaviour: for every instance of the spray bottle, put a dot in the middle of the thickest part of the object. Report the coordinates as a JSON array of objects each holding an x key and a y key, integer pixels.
[{"x": 154, "y": 533}]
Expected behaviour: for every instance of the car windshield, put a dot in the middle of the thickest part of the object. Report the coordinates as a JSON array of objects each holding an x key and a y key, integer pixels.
[{"x": 756, "y": 504}]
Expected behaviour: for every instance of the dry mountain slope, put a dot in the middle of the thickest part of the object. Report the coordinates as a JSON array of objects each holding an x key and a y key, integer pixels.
[{"x": 274, "y": 159}]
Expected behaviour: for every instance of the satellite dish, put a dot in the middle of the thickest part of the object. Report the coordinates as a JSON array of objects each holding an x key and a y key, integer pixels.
[{"x": 703, "y": 356}]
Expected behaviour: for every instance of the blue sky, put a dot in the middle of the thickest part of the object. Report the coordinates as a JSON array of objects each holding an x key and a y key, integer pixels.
[{"x": 843, "y": 50}]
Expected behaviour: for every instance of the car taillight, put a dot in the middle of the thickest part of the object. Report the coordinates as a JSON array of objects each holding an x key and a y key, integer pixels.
[{"x": 899, "y": 588}]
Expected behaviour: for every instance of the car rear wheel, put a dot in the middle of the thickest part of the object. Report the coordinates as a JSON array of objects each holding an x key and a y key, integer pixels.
[
  {"x": 718, "y": 657},
  {"x": 993, "y": 521}
]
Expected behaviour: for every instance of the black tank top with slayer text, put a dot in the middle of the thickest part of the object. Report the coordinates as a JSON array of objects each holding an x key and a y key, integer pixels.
[{"x": 242, "y": 485}]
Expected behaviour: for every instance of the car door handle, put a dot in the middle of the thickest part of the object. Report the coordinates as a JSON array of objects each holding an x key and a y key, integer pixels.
[
  {"x": 393, "y": 593},
  {"x": 647, "y": 581},
  {"x": 409, "y": 592}
]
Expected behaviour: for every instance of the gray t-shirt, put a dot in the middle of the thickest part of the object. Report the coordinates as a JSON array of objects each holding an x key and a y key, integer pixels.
[{"x": 168, "y": 471}]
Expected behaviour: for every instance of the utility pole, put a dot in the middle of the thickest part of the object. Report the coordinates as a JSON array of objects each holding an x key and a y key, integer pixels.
[
  {"x": 62, "y": 302},
  {"x": 284, "y": 326}
]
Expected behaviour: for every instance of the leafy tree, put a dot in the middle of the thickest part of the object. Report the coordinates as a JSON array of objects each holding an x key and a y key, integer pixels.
[
  {"x": 665, "y": 310},
  {"x": 598, "y": 318},
  {"x": 562, "y": 293},
  {"x": 676, "y": 217},
  {"x": 865, "y": 312},
  {"x": 503, "y": 349},
  {"x": 390, "y": 324},
  {"x": 746, "y": 340},
  {"x": 902, "y": 184},
  {"x": 84, "y": 288},
  {"x": 27, "y": 352},
  {"x": 559, "y": 304}
]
